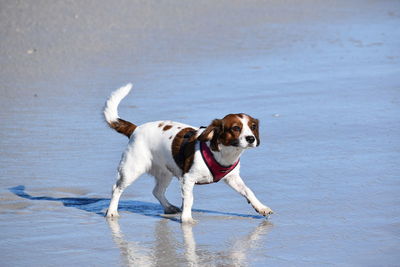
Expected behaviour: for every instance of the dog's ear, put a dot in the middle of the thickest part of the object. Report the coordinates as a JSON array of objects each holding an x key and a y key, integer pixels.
[
  {"x": 256, "y": 131},
  {"x": 211, "y": 133},
  {"x": 212, "y": 129}
]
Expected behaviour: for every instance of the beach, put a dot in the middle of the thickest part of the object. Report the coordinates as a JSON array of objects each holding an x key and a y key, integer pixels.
[{"x": 322, "y": 77}]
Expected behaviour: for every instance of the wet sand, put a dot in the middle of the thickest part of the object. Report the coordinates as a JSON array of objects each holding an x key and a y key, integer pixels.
[{"x": 323, "y": 78}]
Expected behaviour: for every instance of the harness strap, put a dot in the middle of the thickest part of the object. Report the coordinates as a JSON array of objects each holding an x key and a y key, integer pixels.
[{"x": 217, "y": 170}]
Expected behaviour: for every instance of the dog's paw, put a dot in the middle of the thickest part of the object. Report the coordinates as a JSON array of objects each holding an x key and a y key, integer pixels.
[
  {"x": 172, "y": 210},
  {"x": 264, "y": 210},
  {"x": 188, "y": 220},
  {"x": 112, "y": 214}
]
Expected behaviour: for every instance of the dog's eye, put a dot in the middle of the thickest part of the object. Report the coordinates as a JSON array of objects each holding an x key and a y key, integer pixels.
[
  {"x": 236, "y": 129},
  {"x": 253, "y": 127}
]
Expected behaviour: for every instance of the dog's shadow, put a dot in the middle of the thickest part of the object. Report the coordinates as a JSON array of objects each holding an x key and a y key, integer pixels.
[{"x": 99, "y": 205}]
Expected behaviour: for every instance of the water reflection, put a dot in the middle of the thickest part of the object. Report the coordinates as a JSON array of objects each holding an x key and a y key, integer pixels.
[
  {"x": 167, "y": 248},
  {"x": 132, "y": 253},
  {"x": 228, "y": 243},
  {"x": 190, "y": 245}
]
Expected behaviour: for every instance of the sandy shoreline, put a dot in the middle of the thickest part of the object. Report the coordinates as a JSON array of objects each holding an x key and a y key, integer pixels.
[
  {"x": 58, "y": 40},
  {"x": 323, "y": 78}
]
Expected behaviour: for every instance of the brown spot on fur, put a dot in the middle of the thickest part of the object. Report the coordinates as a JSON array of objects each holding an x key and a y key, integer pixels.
[
  {"x": 160, "y": 125},
  {"x": 124, "y": 127},
  {"x": 183, "y": 148},
  {"x": 170, "y": 137},
  {"x": 167, "y": 127}
]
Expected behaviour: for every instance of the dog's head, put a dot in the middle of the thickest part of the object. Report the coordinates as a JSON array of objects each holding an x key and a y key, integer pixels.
[{"x": 237, "y": 130}]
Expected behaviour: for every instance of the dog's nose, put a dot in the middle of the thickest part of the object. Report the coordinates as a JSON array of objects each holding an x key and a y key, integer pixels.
[{"x": 250, "y": 139}]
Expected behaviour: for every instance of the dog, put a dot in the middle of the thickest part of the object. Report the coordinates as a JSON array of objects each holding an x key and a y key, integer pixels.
[{"x": 165, "y": 149}]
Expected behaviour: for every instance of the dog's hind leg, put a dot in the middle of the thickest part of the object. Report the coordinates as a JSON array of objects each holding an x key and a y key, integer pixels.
[
  {"x": 163, "y": 179},
  {"x": 117, "y": 191},
  {"x": 129, "y": 170}
]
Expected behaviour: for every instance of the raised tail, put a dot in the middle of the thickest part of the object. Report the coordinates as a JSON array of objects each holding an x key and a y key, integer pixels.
[{"x": 111, "y": 112}]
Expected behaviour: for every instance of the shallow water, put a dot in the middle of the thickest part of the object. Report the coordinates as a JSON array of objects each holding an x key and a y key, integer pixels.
[{"x": 322, "y": 78}]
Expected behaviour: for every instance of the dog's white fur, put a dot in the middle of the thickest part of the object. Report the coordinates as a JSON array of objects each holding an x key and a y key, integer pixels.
[{"x": 149, "y": 150}]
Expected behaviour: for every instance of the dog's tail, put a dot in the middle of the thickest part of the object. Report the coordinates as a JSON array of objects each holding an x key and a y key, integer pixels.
[{"x": 111, "y": 112}]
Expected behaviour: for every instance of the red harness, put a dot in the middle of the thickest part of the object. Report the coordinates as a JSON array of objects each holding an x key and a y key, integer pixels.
[{"x": 217, "y": 170}]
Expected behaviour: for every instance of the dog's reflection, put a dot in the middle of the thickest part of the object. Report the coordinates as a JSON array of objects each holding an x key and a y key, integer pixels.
[
  {"x": 131, "y": 252},
  {"x": 167, "y": 250},
  {"x": 173, "y": 244}
]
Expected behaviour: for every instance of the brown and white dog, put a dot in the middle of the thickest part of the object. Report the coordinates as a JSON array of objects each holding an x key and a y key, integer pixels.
[{"x": 195, "y": 155}]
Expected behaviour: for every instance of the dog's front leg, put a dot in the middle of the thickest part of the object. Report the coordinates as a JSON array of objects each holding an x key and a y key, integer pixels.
[
  {"x": 187, "y": 184},
  {"x": 239, "y": 186}
]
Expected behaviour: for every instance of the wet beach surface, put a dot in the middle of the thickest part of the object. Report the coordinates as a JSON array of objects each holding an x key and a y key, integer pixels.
[{"x": 323, "y": 78}]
